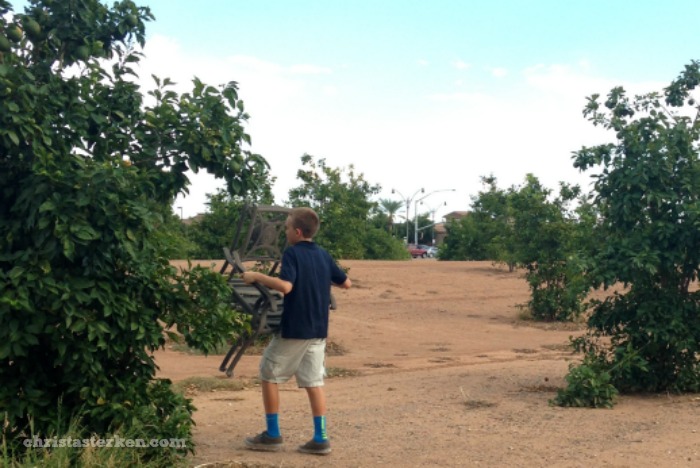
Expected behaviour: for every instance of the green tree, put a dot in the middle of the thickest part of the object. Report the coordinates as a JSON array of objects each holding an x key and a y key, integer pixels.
[
  {"x": 465, "y": 240},
  {"x": 342, "y": 200},
  {"x": 174, "y": 234},
  {"x": 215, "y": 229},
  {"x": 88, "y": 173},
  {"x": 522, "y": 227},
  {"x": 390, "y": 208},
  {"x": 487, "y": 232},
  {"x": 544, "y": 243},
  {"x": 493, "y": 211},
  {"x": 648, "y": 198}
]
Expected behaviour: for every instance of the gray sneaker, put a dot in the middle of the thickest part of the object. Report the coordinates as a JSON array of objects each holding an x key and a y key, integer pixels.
[
  {"x": 264, "y": 442},
  {"x": 316, "y": 448}
]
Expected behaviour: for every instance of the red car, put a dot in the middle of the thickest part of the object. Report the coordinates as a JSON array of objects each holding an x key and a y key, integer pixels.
[{"x": 417, "y": 251}]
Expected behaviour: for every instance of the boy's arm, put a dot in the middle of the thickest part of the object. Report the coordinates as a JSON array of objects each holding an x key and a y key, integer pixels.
[
  {"x": 285, "y": 287},
  {"x": 345, "y": 285}
]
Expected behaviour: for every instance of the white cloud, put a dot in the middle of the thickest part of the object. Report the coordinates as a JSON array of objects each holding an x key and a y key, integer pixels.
[
  {"x": 282, "y": 126},
  {"x": 499, "y": 72},
  {"x": 563, "y": 79},
  {"x": 460, "y": 65},
  {"x": 454, "y": 136},
  {"x": 459, "y": 97},
  {"x": 330, "y": 90},
  {"x": 252, "y": 64},
  {"x": 423, "y": 63},
  {"x": 306, "y": 69}
]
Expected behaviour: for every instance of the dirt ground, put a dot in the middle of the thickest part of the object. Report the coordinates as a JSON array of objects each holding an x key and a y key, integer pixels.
[{"x": 440, "y": 371}]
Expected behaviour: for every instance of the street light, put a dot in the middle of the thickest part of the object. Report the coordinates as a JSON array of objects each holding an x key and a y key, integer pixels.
[
  {"x": 181, "y": 216},
  {"x": 408, "y": 201},
  {"x": 432, "y": 211},
  {"x": 415, "y": 211}
]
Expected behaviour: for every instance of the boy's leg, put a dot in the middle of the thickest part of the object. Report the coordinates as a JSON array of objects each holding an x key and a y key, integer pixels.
[
  {"x": 310, "y": 376},
  {"x": 271, "y": 402},
  {"x": 271, "y": 439},
  {"x": 317, "y": 400},
  {"x": 271, "y": 397},
  {"x": 319, "y": 445}
]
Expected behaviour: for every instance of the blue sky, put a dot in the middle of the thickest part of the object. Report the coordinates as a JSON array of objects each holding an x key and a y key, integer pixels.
[{"x": 421, "y": 94}]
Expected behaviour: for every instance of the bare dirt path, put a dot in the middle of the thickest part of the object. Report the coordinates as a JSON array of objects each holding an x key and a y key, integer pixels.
[{"x": 443, "y": 373}]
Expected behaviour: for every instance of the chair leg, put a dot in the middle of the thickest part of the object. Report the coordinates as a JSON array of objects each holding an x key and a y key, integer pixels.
[
  {"x": 249, "y": 341},
  {"x": 234, "y": 346},
  {"x": 245, "y": 340}
]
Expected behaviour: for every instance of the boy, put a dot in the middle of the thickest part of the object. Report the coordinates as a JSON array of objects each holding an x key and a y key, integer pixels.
[{"x": 305, "y": 279}]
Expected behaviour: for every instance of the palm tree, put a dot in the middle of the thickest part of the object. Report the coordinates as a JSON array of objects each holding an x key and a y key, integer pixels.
[{"x": 390, "y": 207}]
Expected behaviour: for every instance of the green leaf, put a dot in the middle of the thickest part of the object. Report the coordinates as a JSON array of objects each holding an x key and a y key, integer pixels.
[
  {"x": 4, "y": 350},
  {"x": 16, "y": 272},
  {"x": 48, "y": 205},
  {"x": 68, "y": 248},
  {"x": 61, "y": 347},
  {"x": 86, "y": 233},
  {"x": 13, "y": 136}
]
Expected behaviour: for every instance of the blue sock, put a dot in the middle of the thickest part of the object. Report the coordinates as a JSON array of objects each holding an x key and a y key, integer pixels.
[
  {"x": 273, "y": 424},
  {"x": 320, "y": 429}
]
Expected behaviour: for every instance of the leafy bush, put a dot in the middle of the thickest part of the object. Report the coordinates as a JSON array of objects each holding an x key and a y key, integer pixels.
[
  {"x": 380, "y": 245},
  {"x": 648, "y": 216},
  {"x": 589, "y": 385},
  {"x": 342, "y": 200},
  {"x": 521, "y": 226},
  {"x": 558, "y": 290},
  {"x": 87, "y": 176},
  {"x": 75, "y": 446},
  {"x": 215, "y": 229}
]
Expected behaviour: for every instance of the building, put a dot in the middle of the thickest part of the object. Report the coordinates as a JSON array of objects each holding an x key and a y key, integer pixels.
[{"x": 441, "y": 228}]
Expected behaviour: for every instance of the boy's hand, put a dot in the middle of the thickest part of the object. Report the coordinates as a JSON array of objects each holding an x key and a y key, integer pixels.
[{"x": 250, "y": 277}]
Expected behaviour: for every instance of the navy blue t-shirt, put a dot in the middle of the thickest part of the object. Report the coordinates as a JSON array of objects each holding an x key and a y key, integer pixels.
[{"x": 311, "y": 270}]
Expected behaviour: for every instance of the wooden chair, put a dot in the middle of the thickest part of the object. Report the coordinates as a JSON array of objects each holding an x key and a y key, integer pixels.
[{"x": 259, "y": 238}]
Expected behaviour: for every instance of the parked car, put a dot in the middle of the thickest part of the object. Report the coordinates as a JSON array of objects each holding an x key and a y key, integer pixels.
[
  {"x": 416, "y": 251},
  {"x": 432, "y": 251}
]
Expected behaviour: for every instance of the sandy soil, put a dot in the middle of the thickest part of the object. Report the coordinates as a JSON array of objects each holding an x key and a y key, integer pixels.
[{"x": 443, "y": 373}]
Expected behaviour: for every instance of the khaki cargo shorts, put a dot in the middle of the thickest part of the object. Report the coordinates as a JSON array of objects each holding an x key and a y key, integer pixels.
[{"x": 285, "y": 357}]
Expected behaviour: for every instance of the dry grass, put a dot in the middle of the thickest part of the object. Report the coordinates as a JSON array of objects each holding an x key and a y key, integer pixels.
[
  {"x": 195, "y": 385},
  {"x": 471, "y": 403},
  {"x": 181, "y": 347},
  {"x": 256, "y": 349},
  {"x": 237, "y": 464},
  {"x": 378, "y": 365},
  {"x": 332, "y": 372},
  {"x": 540, "y": 388}
]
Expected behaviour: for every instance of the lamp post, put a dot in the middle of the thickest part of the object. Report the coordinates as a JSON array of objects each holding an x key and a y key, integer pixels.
[
  {"x": 181, "y": 216},
  {"x": 415, "y": 210},
  {"x": 432, "y": 211},
  {"x": 408, "y": 201}
]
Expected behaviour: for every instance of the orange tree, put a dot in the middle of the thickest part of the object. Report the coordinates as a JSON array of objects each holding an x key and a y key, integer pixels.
[
  {"x": 525, "y": 226},
  {"x": 87, "y": 170},
  {"x": 546, "y": 241},
  {"x": 648, "y": 203},
  {"x": 341, "y": 197},
  {"x": 486, "y": 233}
]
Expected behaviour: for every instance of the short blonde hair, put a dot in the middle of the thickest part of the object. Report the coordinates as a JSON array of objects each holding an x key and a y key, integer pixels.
[{"x": 306, "y": 220}]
